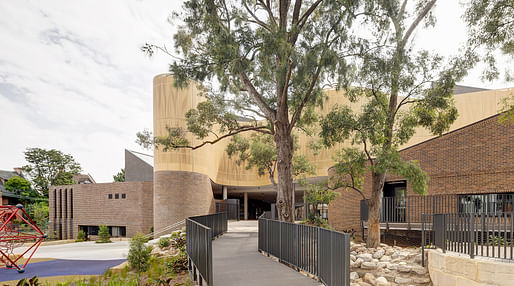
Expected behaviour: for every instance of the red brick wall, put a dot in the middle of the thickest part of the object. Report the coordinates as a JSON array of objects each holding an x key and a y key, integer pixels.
[{"x": 478, "y": 158}]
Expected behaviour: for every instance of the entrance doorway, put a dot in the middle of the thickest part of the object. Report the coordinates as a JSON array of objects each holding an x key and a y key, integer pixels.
[{"x": 394, "y": 202}]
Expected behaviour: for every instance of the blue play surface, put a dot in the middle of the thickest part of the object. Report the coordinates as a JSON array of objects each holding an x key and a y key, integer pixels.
[{"x": 60, "y": 267}]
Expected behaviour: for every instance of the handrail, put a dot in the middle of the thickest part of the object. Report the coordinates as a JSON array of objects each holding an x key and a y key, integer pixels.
[{"x": 166, "y": 229}]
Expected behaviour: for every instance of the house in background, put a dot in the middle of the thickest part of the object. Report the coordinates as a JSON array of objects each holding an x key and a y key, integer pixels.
[{"x": 8, "y": 197}]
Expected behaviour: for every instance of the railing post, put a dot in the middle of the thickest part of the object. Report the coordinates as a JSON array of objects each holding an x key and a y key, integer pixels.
[
  {"x": 280, "y": 242},
  {"x": 423, "y": 239},
  {"x": 471, "y": 236}
]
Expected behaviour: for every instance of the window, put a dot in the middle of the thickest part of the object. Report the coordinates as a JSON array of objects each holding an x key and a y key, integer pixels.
[
  {"x": 123, "y": 196},
  {"x": 116, "y": 196},
  {"x": 110, "y": 196}
]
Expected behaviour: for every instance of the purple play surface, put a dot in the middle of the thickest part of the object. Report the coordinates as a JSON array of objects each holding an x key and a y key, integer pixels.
[{"x": 60, "y": 267}]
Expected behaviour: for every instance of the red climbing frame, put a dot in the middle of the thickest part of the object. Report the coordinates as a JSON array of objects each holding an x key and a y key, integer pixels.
[{"x": 17, "y": 228}]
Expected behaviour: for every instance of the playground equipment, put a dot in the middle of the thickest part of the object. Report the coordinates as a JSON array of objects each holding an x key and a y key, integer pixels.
[{"x": 17, "y": 228}]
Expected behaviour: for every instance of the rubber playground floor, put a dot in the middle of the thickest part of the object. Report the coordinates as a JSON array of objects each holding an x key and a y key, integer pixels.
[{"x": 72, "y": 259}]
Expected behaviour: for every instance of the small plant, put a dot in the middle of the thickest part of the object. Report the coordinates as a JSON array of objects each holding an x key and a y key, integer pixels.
[
  {"x": 81, "y": 236},
  {"x": 139, "y": 254},
  {"x": 178, "y": 263},
  {"x": 164, "y": 242},
  {"x": 103, "y": 235}
]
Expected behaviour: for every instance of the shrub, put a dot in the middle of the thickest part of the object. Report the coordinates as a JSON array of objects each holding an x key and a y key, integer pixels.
[
  {"x": 139, "y": 254},
  {"x": 164, "y": 242},
  {"x": 81, "y": 236},
  {"x": 103, "y": 234},
  {"x": 178, "y": 263}
]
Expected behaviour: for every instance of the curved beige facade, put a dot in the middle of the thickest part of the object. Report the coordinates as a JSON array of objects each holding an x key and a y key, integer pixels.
[{"x": 170, "y": 105}]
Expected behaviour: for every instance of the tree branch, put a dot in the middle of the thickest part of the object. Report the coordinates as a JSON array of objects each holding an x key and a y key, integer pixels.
[
  {"x": 420, "y": 17},
  {"x": 261, "y": 129},
  {"x": 259, "y": 100}
]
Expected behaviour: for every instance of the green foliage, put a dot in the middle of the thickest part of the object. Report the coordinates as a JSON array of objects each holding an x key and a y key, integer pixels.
[
  {"x": 320, "y": 194},
  {"x": 81, "y": 236},
  {"x": 103, "y": 234},
  {"x": 491, "y": 27},
  {"x": 178, "y": 263},
  {"x": 120, "y": 176},
  {"x": 164, "y": 242},
  {"x": 39, "y": 213},
  {"x": 349, "y": 170},
  {"x": 17, "y": 183},
  {"x": 316, "y": 221},
  {"x": 34, "y": 281},
  {"x": 49, "y": 168},
  {"x": 507, "y": 117},
  {"x": 139, "y": 254}
]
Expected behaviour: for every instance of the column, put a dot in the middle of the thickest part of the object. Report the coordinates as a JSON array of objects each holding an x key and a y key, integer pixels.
[
  {"x": 225, "y": 193},
  {"x": 246, "y": 205}
]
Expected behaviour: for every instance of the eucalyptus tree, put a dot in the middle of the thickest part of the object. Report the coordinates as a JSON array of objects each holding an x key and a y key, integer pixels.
[
  {"x": 260, "y": 59},
  {"x": 400, "y": 88}
]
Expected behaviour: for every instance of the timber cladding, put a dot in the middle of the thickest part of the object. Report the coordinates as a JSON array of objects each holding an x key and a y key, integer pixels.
[
  {"x": 127, "y": 204},
  {"x": 475, "y": 159}
]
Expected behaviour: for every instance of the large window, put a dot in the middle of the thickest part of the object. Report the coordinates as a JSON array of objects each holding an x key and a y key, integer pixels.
[{"x": 486, "y": 203}]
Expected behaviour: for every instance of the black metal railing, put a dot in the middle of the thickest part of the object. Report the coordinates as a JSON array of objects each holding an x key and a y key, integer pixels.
[
  {"x": 474, "y": 234},
  {"x": 231, "y": 207},
  {"x": 321, "y": 252},
  {"x": 409, "y": 209},
  {"x": 200, "y": 230},
  {"x": 217, "y": 222}
]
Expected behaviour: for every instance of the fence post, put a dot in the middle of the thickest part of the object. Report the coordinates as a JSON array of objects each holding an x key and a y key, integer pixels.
[
  {"x": 445, "y": 220},
  {"x": 318, "y": 246},
  {"x": 297, "y": 246},
  {"x": 280, "y": 242},
  {"x": 423, "y": 239},
  {"x": 471, "y": 236}
]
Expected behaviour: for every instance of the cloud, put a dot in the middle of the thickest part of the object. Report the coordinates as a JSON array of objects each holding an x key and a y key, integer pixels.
[{"x": 72, "y": 77}]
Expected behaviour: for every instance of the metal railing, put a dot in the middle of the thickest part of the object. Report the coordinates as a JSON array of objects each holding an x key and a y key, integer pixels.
[
  {"x": 474, "y": 234},
  {"x": 409, "y": 209},
  {"x": 231, "y": 207},
  {"x": 200, "y": 230},
  {"x": 321, "y": 252}
]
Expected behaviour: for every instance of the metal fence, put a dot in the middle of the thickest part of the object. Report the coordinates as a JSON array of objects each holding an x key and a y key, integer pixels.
[
  {"x": 474, "y": 234},
  {"x": 200, "y": 230},
  {"x": 231, "y": 207},
  {"x": 321, "y": 252},
  {"x": 409, "y": 209}
]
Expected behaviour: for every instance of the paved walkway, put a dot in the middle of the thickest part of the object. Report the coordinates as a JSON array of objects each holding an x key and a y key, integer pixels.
[
  {"x": 236, "y": 261},
  {"x": 88, "y": 250}
]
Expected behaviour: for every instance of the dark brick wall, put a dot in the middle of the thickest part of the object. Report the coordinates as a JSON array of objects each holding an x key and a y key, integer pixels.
[{"x": 478, "y": 158}]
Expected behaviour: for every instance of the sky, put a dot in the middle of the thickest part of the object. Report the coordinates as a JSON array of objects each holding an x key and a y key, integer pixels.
[{"x": 73, "y": 78}]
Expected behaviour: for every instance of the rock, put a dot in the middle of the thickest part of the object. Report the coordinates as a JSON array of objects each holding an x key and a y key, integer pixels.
[
  {"x": 353, "y": 253},
  {"x": 402, "y": 280},
  {"x": 381, "y": 281},
  {"x": 381, "y": 265},
  {"x": 369, "y": 265},
  {"x": 404, "y": 268},
  {"x": 352, "y": 257},
  {"x": 389, "y": 251},
  {"x": 421, "y": 280},
  {"x": 392, "y": 266},
  {"x": 395, "y": 255},
  {"x": 378, "y": 254},
  {"x": 369, "y": 278},
  {"x": 419, "y": 270},
  {"x": 366, "y": 257},
  {"x": 354, "y": 247},
  {"x": 354, "y": 276},
  {"x": 364, "y": 284},
  {"x": 385, "y": 258},
  {"x": 357, "y": 262}
]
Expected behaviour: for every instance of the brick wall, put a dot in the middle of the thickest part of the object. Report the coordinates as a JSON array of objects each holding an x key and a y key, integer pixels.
[
  {"x": 478, "y": 158},
  {"x": 89, "y": 204}
]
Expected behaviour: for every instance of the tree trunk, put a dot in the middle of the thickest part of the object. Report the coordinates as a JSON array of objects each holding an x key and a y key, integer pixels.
[
  {"x": 375, "y": 204},
  {"x": 284, "y": 143}
]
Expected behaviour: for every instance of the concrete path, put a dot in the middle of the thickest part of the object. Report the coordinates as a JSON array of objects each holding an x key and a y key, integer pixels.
[
  {"x": 236, "y": 261},
  {"x": 88, "y": 250}
]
